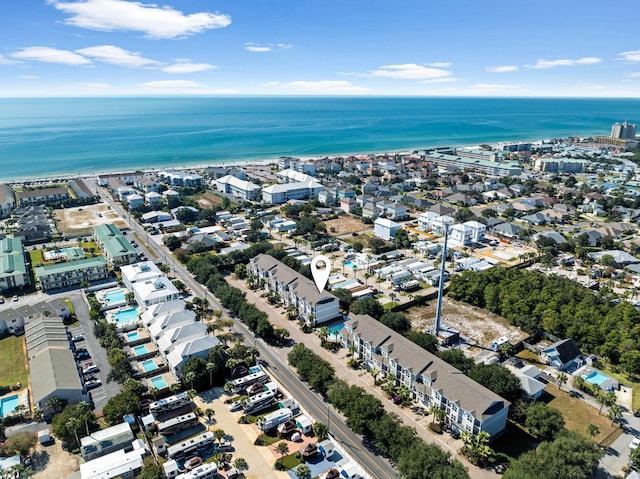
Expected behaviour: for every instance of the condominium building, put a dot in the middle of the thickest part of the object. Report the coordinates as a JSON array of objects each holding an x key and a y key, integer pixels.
[
  {"x": 139, "y": 272},
  {"x": 560, "y": 165},
  {"x": 14, "y": 272},
  {"x": 469, "y": 406},
  {"x": 116, "y": 248},
  {"x": 624, "y": 131},
  {"x": 295, "y": 289},
  {"x": 154, "y": 291},
  {"x": 240, "y": 188},
  {"x": 281, "y": 193},
  {"x": 72, "y": 273},
  {"x": 465, "y": 160},
  {"x": 7, "y": 201},
  {"x": 41, "y": 196}
]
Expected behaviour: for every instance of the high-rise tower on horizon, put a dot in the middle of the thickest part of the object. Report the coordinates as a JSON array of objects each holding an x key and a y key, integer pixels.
[{"x": 623, "y": 131}]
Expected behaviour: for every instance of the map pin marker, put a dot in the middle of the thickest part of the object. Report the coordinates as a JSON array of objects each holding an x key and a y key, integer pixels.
[{"x": 320, "y": 270}]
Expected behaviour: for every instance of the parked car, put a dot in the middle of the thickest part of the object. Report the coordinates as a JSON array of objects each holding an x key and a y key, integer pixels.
[
  {"x": 224, "y": 446},
  {"x": 77, "y": 338},
  {"x": 233, "y": 474},
  {"x": 90, "y": 369},
  {"x": 83, "y": 355},
  {"x": 92, "y": 384},
  {"x": 635, "y": 442},
  {"x": 235, "y": 406},
  {"x": 15, "y": 298},
  {"x": 1, "y": 300}
]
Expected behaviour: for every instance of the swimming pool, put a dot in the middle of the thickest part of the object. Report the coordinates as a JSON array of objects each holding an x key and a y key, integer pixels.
[
  {"x": 351, "y": 265},
  {"x": 135, "y": 336},
  {"x": 596, "y": 377},
  {"x": 140, "y": 350},
  {"x": 254, "y": 369},
  {"x": 8, "y": 405},
  {"x": 335, "y": 330},
  {"x": 114, "y": 296},
  {"x": 149, "y": 365},
  {"x": 159, "y": 383},
  {"x": 126, "y": 316}
]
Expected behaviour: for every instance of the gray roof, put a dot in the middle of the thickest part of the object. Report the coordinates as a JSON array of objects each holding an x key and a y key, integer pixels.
[
  {"x": 620, "y": 257},
  {"x": 454, "y": 385},
  {"x": 304, "y": 287},
  {"x": 52, "y": 370}
]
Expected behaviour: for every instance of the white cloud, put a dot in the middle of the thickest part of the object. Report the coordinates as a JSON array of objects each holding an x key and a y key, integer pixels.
[
  {"x": 153, "y": 20},
  {"x": 543, "y": 64},
  {"x": 631, "y": 56},
  {"x": 633, "y": 75},
  {"x": 29, "y": 77},
  {"x": 51, "y": 55},
  {"x": 441, "y": 80},
  {"x": 259, "y": 48},
  {"x": 409, "y": 71},
  {"x": 502, "y": 68},
  {"x": 116, "y": 56},
  {"x": 173, "y": 86},
  {"x": 7, "y": 61},
  {"x": 440, "y": 65},
  {"x": 322, "y": 87},
  {"x": 187, "y": 67}
]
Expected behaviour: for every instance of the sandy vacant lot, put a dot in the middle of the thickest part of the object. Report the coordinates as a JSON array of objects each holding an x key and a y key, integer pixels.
[
  {"x": 476, "y": 324},
  {"x": 84, "y": 218},
  {"x": 345, "y": 225}
]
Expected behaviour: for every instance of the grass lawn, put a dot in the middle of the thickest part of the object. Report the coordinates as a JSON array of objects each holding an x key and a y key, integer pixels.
[
  {"x": 251, "y": 419},
  {"x": 36, "y": 257},
  {"x": 630, "y": 381},
  {"x": 289, "y": 462},
  {"x": 577, "y": 414},
  {"x": 528, "y": 356},
  {"x": 12, "y": 358},
  {"x": 268, "y": 440}
]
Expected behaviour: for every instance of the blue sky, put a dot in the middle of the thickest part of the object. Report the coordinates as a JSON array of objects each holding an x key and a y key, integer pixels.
[{"x": 310, "y": 47}]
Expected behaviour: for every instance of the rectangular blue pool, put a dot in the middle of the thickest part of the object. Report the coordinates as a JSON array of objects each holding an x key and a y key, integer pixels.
[
  {"x": 335, "y": 330},
  {"x": 149, "y": 365},
  {"x": 140, "y": 350},
  {"x": 159, "y": 383},
  {"x": 126, "y": 316},
  {"x": 596, "y": 377},
  {"x": 8, "y": 405},
  {"x": 135, "y": 336},
  {"x": 114, "y": 296}
]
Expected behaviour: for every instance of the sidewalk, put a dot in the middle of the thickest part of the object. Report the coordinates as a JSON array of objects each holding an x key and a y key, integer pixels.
[{"x": 363, "y": 379}]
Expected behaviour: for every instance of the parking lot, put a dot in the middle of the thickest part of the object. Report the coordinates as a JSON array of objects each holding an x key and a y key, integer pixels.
[{"x": 98, "y": 355}]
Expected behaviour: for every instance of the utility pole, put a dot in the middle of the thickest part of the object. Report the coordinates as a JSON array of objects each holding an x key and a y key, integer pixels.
[{"x": 443, "y": 263}]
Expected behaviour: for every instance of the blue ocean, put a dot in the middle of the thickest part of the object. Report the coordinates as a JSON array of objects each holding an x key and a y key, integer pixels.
[{"x": 45, "y": 137}]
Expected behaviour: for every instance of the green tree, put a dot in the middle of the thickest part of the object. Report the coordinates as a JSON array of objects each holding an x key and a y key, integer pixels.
[
  {"x": 498, "y": 379},
  {"x": 240, "y": 464},
  {"x": 303, "y": 472},
  {"x": 592, "y": 430},
  {"x": 151, "y": 470},
  {"x": 562, "y": 378},
  {"x": 615, "y": 413},
  {"x": 396, "y": 321},
  {"x": 120, "y": 405},
  {"x": 544, "y": 421},
  {"x": 425, "y": 340},
  {"x": 419, "y": 461},
  {"x": 282, "y": 448},
  {"x": 630, "y": 361},
  {"x": 320, "y": 430},
  {"x": 569, "y": 456},
  {"x": 457, "y": 359},
  {"x": 323, "y": 334},
  {"x": 20, "y": 443},
  {"x": 369, "y": 306},
  {"x": 345, "y": 297},
  {"x": 219, "y": 435},
  {"x": 240, "y": 271},
  {"x": 172, "y": 242}
]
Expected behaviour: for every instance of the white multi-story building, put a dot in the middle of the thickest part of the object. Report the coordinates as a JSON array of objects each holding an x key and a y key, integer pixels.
[
  {"x": 154, "y": 291},
  {"x": 385, "y": 229},
  {"x": 135, "y": 273},
  {"x": 466, "y": 233},
  {"x": 469, "y": 406},
  {"x": 281, "y": 193},
  {"x": 295, "y": 289},
  {"x": 240, "y": 188}
]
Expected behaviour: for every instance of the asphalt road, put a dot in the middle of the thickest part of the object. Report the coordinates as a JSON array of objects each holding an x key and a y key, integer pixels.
[{"x": 314, "y": 404}]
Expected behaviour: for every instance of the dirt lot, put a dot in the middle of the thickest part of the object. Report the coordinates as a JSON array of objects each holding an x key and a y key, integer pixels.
[
  {"x": 345, "y": 225},
  {"x": 208, "y": 200},
  {"x": 476, "y": 324},
  {"x": 84, "y": 218},
  {"x": 51, "y": 462}
]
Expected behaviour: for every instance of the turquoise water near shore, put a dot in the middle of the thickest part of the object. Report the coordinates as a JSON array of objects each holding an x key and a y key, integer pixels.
[{"x": 44, "y": 137}]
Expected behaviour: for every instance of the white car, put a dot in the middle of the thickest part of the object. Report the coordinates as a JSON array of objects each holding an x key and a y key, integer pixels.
[
  {"x": 235, "y": 406},
  {"x": 635, "y": 442}
]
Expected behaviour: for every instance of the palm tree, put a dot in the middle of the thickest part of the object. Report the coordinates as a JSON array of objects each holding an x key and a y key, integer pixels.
[
  {"x": 323, "y": 334},
  {"x": 190, "y": 376},
  {"x": 604, "y": 400},
  {"x": 592, "y": 430},
  {"x": 130, "y": 298},
  {"x": 210, "y": 368},
  {"x": 615, "y": 413},
  {"x": 54, "y": 403},
  {"x": 154, "y": 392},
  {"x": 374, "y": 373},
  {"x": 240, "y": 464},
  {"x": 209, "y": 413},
  {"x": 283, "y": 449},
  {"x": 229, "y": 386},
  {"x": 562, "y": 379},
  {"x": 73, "y": 423},
  {"x": 303, "y": 472},
  {"x": 219, "y": 435}
]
